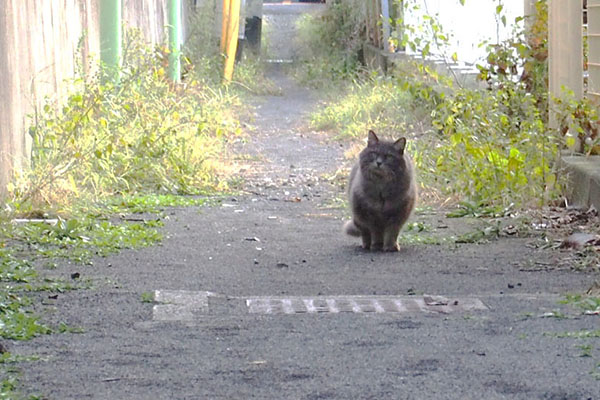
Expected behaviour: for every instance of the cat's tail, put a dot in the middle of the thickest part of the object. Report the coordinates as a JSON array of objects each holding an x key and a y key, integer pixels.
[{"x": 351, "y": 229}]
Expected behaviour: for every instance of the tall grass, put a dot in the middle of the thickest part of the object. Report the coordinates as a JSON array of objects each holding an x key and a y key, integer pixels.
[
  {"x": 372, "y": 103},
  {"x": 144, "y": 134}
]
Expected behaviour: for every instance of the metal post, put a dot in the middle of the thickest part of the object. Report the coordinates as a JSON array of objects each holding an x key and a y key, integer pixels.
[
  {"x": 233, "y": 30},
  {"x": 225, "y": 24},
  {"x": 111, "y": 36},
  {"x": 174, "y": 40}
]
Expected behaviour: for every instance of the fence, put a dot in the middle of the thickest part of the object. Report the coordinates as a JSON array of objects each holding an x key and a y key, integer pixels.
[{"x": 40, "y": 42}]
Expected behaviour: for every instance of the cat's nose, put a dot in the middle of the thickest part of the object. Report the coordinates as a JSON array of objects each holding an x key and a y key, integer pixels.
[{"x": 378, "y": 162}]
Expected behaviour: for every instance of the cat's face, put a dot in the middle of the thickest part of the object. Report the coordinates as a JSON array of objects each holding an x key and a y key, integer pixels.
[{"x": 383, "y": 160}]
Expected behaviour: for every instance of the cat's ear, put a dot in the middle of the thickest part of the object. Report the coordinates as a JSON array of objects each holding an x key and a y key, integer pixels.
[
  {"x": 373, "y": 139},
  {"x": 400, "y": 144}
]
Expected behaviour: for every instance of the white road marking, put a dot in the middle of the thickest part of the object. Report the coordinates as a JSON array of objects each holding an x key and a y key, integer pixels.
[{"x": 179, "y": 305}]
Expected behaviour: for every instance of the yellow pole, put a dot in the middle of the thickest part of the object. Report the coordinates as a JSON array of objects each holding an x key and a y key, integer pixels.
[
  {"x": 233, "y": 30},
  {"x": 225, "y": 24}
]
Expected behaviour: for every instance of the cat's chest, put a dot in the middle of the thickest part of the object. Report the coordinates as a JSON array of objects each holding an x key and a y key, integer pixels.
[
  {"x": 384, "y": 198},
  {"x": 388, "y": 204}
]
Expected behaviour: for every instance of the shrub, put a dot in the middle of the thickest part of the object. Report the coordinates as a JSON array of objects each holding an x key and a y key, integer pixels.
[
  {"x": 489, "y": 146},
  {"x": 141, "y": 135}
]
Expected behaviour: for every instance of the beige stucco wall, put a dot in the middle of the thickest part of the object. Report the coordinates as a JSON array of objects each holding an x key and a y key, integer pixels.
[{"x": 38, "y": 50}]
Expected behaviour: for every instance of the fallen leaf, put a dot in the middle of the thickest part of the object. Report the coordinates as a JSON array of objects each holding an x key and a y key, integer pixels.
[{"x": 257, "y": 362}]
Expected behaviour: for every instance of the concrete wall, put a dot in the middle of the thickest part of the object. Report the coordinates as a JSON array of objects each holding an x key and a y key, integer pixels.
[{"x": 38, "y": 51}]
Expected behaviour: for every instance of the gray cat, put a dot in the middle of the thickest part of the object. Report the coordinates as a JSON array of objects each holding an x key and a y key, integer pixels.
[{"x": 382, "y": 193}]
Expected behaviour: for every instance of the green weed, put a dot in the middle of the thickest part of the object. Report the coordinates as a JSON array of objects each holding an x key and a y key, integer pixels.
[
  {"x": 8, "y": 358},
  {"x": 152, "y": 203},
  {"x": 81, "y": 238},
  {"x": 53, "y": 285},
  {"x": 470, "y": 209},
  {"x": 582, "y": 302},
  {"x": 66, "y": 328},
  {"x": 13, "y": 269},
  {"x": 586, "y": 350},
  {"x": 16, "y": 321},
  {"x": 8, "y": 389},
  {"x": 582, "y": 334},
  {"x": 147, "y": 297},
  {"x": 413, "y": 236},
  {"x": 418, "y": 227},
  {"x": 596, "y": 371},
  {"x": 412, "y": 239},
  {"x": 479, "y": 235}
]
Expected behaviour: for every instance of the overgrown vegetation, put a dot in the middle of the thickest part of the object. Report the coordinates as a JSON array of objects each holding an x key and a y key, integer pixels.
[
  {"x": 141, "y": 135},
  {"x": 373, "y": 101},
  {"x": 493, "y": 146},
  {"x": 106, "y": 160},
  {"x": 330, "y": 45}
]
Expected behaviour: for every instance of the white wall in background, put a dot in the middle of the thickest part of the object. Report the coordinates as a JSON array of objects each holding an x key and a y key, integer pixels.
[{"x": 469, "y": 25}]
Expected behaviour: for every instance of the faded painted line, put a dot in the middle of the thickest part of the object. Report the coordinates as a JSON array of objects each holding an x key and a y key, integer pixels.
[{"x": 179, "y": 305}]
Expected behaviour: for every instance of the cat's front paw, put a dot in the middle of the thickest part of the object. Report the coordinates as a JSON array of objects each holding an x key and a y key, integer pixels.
[
  {"x": 392, "y": 248},
  {"x": 377, "y": 246}
]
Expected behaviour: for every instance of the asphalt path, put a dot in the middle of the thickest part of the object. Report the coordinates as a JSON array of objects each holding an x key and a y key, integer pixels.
[{"x": 329, "y": 321}]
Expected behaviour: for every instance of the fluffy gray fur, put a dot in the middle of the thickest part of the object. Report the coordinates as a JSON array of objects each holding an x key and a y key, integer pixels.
[{"x": 382, "y": 193}]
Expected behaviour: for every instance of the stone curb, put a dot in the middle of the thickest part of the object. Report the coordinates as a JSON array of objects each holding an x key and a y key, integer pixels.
[{"x": 583, "y": 188}]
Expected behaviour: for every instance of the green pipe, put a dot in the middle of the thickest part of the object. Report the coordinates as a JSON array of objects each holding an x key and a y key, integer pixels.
[
  {"x": 111, "y": 35},
  {"x": 174, "y": 40}
]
